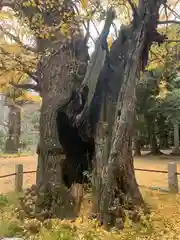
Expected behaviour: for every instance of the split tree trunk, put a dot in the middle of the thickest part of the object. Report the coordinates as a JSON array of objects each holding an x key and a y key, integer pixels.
[
  {"x": 14, "y": 130},
  {"x": 52, "y": 195},
  {"x": 119, "y": 187}
]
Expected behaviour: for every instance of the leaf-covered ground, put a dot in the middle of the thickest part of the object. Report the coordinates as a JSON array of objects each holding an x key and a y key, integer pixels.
[{"x": 163, "y": 222}]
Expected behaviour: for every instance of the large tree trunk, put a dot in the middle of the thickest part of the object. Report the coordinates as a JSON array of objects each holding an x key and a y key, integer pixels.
[
  {"x": 58, "y": 138},
  {"x": 119, "y": 187},
  {"x": 14, "y": 130},
  {"x": 128, "y": 56},
  {"x": 59, "y": 76}
]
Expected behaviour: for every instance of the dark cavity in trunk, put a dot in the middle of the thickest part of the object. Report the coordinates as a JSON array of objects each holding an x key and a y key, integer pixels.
[{"x": 78, "y": 153}]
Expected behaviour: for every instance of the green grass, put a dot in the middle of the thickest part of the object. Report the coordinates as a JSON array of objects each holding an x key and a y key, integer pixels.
[
  {"x": 163, "y": 222},
  {"x": 9, "y": 226}
]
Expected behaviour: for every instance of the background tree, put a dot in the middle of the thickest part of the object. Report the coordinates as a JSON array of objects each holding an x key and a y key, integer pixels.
[
  {"x": 153, "y": 92},
  {"x": 17, "y": 63}
]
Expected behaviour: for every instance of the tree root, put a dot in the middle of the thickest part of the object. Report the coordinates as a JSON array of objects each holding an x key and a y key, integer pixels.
[
  {"x": 43, "y": 204},
  {"x": 120, "y": 209}
]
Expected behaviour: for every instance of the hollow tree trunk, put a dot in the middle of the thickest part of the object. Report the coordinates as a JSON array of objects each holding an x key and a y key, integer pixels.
[
  {"x": 49, "y": 170},
  {"x": 120, "y": 190},
  {"x": 14, "y": 130},
  {"x": 59, "y": 75},
  {"x": 57, "y": 88}
]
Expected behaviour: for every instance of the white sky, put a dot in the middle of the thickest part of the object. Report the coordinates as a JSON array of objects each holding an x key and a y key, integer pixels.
[{"x": 14, "y": 27}]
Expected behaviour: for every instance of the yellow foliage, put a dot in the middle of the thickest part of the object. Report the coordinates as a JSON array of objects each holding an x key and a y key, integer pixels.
[
  {"x": 110, "y": 41},
  {"x": 29, "y": 96},
  {"x": 162, "y": 223},
  {"x": 163, "y": 91},
  {"x": 84, "y": 4}
]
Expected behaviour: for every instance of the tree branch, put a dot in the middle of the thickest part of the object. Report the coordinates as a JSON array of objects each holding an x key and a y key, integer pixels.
[
  {"x": 173, "y": 40},
  {"x": 17, "y": 40},
  {"x": 169, "y": 22},
  {"x": 27, "y": 86},
  {"x": 133, "y": 6},
  {"x": 170, "y": 9},
  {"x": 25, "y": 70}
]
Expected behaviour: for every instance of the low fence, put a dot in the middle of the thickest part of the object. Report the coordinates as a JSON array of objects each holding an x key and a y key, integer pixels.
[{"x": 172, "y": 177}]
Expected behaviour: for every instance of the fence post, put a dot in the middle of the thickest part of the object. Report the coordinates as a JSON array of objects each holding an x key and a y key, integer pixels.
[
  {"x": 172, "y": 177},
  {"x": 19, "y": 177}
]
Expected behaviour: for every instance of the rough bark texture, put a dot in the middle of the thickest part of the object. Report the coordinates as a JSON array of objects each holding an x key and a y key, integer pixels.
[
  {"x": 57, "y": 86},
  {"x": 119, "y": 187},
  {"x": 59, "y": 75},
  {"x": 14, "y": 130},
  {"x": 113, "y": 168}
]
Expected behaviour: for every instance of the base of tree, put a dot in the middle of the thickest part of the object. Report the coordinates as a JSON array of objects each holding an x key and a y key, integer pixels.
[
  {"x": 122, "y": 209},
  {"x": 137, "y": 154},
  {"x": 175, "y": 152},
  {"x": 57, "y": 203},
  {"x": 64, "y": 202}
]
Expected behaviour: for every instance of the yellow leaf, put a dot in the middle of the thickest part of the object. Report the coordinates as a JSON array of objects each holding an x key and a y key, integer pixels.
[
  {"x": 110, "y": 41},
  {"x": 84, "y": 4}
]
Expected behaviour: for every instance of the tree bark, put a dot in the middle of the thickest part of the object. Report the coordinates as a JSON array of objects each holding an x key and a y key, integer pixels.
[
  {"x": 120, "y": 189},
  {"x": 119, "y": 186},
  {"x": 57, "y": 88},
  {"x": 14, "y": 130}
]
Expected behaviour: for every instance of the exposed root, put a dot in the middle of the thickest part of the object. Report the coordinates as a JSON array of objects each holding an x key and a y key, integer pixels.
[
  {"x": 56, "y": 202},
  {"x": 121, "y": 209}
]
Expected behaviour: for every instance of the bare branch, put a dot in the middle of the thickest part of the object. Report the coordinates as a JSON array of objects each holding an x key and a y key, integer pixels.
[
  {"x": 169, "y": 22},
  {"x": 157, "y": 57},
  {"x": 173, "y": 40},
  {"x": 95, "y": 27},
  {"x": 170, "y": 9},
  {"x": 87, "y": 32},
  {"x": 17, "y": 40},
  {"x": 133, "y": 6},
  {"x": 25, "y": 70},
  {"x": 27, "y": 86}
]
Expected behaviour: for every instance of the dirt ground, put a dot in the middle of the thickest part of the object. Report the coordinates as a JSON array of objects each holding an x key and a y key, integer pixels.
[{"x": 7, "y": 166}]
